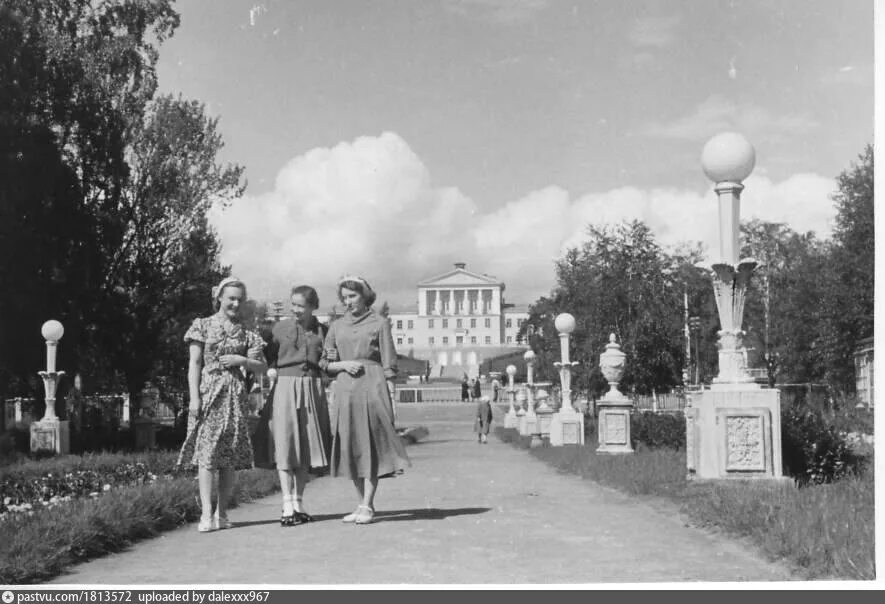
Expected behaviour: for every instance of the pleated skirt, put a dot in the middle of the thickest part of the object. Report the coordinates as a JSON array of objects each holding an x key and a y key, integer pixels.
[
  {"x": 300, "y": 424},
  {"x": 365, "y": 443}
]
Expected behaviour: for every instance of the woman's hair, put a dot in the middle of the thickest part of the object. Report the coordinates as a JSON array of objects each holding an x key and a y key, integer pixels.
[
  {"x": 309, "y": 293},
  {"x": 218, "y": 290},
  {"x": 360, "y": 287}
]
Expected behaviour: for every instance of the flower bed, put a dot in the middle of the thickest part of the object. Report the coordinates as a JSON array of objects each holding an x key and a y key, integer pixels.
[{"x": 31, "y": 486}]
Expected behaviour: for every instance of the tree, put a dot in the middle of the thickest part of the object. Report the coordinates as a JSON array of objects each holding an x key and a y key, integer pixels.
[
  {"x": 620, "y": 281},
  {"x": 850, "y": 273},
  {"x": 160, "y": 277},
  {"x": 73, "y": 76}
]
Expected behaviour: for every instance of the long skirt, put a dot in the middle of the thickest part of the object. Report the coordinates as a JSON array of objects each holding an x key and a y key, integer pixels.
[
  {"x": 300, "y": 424},
  {"x": 365, "y": 443}
]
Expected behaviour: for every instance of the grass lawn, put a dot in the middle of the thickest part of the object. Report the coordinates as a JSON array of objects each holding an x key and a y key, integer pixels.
[{"x": 826, "y": 531}]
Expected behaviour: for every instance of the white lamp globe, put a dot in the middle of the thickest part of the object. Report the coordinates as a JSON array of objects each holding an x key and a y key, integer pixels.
[
  {"x": 52, "y": 331},
  {"x": 564, "y": 323},
  {"x": 529, "y": 356},
  {"x": 728, "y": 157},
  {"x": 272, "y": 374},
  {"x": 511, "y": 370}
]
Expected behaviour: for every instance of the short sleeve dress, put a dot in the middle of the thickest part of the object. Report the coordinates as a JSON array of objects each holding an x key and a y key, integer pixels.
[
  {"x": 218, "y": 437},
  {"x": 365, "y": 443},
  {"x": 300, "y": 415}
]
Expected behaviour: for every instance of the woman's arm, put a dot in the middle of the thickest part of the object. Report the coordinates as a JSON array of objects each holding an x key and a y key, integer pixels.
[
  {"x": 194, "y": 375},
  {"x": 388, "y": 355}
]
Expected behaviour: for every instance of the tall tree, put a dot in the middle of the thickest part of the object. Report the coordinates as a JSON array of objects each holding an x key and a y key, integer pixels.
[
  {"x": 850, "y": 282},
  {"x": 74, "y": 75},
  {"x": 160, "y": 276}
]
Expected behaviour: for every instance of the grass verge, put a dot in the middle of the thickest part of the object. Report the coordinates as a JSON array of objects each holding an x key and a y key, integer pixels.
[
  {"x": 825, "y": 531},
  {"x": 39, "y": 547}
]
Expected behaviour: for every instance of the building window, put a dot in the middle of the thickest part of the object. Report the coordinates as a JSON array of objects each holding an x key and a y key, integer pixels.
[
  {"x": 430, "y": 323},
  {"x": 399, "y": 324},
  {"x": 445, "y": 323},
  {"x": 459, "y": 340},
  {"x": 488, "y": 323},
  {"x": 509, "y": 340},
  {"x": 410, "y": 324},
  {"x": 399, "y": 340},
  {"x": 458, "y": 323},
  {"x": 473, "y": 339},
  {"x": 519, "y": 322},
  {"x": 508, "y": 323},
  {"x": 472, "y": 323},
  {"x": 411, "y": 340},
  {"x": 431, "y": 340},
  {"x": 445, "y": 340},
  {"x": 488, "y": 340}
]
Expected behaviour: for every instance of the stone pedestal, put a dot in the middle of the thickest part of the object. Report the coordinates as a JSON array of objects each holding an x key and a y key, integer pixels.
[
  {"x": 145, "y": 433},
  {"x": 614, "y": 425},
  {"x": 566, "y": 427},
  {"x": 734, "y": 432},
  {"x": 51, "y": 434}
]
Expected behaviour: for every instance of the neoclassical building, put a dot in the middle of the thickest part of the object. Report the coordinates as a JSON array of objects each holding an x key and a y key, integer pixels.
[{"x": 460, "y": 320}]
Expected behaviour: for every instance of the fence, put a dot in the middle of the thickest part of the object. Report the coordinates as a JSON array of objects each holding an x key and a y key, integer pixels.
[
  {"x": 428, "y": 395},
  {"x": 660, "y": 403}
]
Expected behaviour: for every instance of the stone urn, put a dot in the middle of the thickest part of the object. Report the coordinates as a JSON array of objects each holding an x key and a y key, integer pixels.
[{"x": 611, "y": 362}]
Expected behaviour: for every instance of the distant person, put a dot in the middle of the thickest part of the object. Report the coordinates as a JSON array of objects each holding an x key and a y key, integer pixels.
[
  {"x": 483, "y": 419},
  {"x": 465, "y": 390},
  {"x": 222, "y": 352},
  {"x": 496, "y": 387},
  {"x": 300, "y": 413},
  {"x": 477, "y": 389},
  {"x": 359, "y": 350}
]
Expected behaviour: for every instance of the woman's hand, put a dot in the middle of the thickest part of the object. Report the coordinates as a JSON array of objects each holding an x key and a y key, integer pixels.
[
  {"x": 232, "y": 360},
  {"x": 353, "y": 368}
]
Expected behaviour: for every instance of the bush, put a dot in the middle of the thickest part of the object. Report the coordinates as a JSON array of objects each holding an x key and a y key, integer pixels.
[
  {"x": 664, "y": 430},
  {"x": 814, "y": 451}
]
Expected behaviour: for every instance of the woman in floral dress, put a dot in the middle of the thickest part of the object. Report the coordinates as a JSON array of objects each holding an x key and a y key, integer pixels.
[
  {"x": 359, "y": 349},
  {"x": 222, "y": 351}
]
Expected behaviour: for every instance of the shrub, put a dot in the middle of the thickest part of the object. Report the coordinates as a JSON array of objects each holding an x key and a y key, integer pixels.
[
  {"x": 814, "y": 452},
  {"x": 658, "y": 430}
]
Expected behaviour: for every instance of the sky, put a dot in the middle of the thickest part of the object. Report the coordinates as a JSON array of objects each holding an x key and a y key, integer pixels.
[{"x": 391, "y": 139}]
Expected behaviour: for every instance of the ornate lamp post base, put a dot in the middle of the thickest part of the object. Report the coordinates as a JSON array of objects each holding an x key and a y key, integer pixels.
[
  {"x": 734, "y": 433},
  {"x": 51, "y": 433},
  {"x": 566, "y": 427}
]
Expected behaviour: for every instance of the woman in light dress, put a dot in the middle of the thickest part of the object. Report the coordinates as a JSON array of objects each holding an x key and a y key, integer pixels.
[
  {"x": 222, "y": 351},
  {"x": 359, "y": 350}
]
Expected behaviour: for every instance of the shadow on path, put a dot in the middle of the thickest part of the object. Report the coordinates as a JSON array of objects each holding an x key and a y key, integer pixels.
[{"x": 426, "y": 514}]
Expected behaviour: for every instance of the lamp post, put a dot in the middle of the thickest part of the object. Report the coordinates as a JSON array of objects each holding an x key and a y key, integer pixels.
[
  {"x": 728, "y": 159},
  {"x": 51, "y": 433},
  {"x": 567, "y": 425},
  {"x": 528, "y": 422},
  {"x": 732, "y": 429}
]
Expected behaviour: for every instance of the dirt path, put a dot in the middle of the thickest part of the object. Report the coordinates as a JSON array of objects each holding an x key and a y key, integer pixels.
[{"x": 464, "y": 513}]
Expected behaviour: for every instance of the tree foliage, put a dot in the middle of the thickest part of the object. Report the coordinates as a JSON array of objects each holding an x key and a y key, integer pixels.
[{"x": 105, "y": 193}]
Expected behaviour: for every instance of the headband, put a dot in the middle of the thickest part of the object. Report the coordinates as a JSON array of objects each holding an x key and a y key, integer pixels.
[
  {"x": 346, "y": 278},
  {"x": 224, "y": 283}
]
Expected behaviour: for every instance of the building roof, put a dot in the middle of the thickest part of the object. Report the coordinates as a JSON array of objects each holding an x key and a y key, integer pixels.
[{"x": 461, "y": 277}]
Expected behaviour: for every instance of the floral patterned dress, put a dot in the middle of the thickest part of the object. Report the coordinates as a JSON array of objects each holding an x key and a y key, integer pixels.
[{"x": 218, "y": 436}]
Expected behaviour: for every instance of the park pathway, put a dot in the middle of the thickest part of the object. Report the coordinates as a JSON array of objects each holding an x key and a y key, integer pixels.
[{"x": 464, "y": 513}]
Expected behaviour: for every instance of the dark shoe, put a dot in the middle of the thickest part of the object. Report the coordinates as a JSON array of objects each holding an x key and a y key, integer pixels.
[
  {"x": 303, "y": 517},
  {"x": 289, "y": 520}
]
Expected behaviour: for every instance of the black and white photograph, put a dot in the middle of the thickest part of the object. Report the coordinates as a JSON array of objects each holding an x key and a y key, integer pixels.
[{"x": 385, "y": 294}]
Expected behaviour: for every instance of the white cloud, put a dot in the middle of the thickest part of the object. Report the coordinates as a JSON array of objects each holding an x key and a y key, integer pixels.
[
  {"x": 719, "y": 114},
  {"x": 369, "y": 207}
]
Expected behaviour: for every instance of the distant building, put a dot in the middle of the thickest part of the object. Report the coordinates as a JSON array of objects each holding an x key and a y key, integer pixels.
[
  {"x": 863, "y": 371},
  {"x": 459, "y": 321}
]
